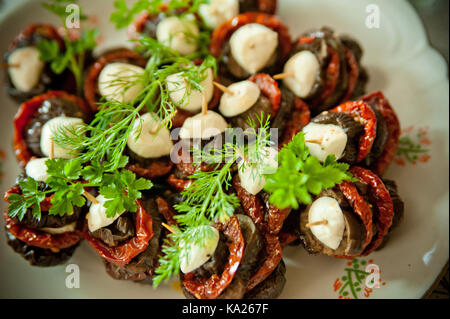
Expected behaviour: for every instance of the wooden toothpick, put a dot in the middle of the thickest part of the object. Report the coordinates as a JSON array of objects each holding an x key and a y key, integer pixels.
[
  {"x": 52, "y": 148},
  {"x": 223, "y": 88},
  {"x": 204, "y": 103},
  {"x": 314, "y": 141},
  {"x": 90, "y": 197},
  {"x": 283, "y": 75},
  {"x": 10, "y": 65},
  {"x": 168, "y": 228},
  {"x": 320, "y": 222}
]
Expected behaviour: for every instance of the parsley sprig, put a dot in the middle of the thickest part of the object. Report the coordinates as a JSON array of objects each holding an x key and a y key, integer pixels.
[
  {"x": 120, "y": 187},
  {"x": 73, "y": 55},
  {"x": 301, "y": 175}
]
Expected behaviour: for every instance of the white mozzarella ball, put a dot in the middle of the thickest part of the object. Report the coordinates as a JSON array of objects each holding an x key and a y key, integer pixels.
[
  {"x": 251, "y": 175},
  {"x": 195, "y": 255},
  {"x": 25, "y": 68},
  {"x": 97, "y": 215},
  {"x": 218, "y": 11},
  {"x": 252, "y": 46},
  {"x": 245, "y": 94},
  {"x": 305, "y": 67},
  {"x": 37, "y": 169},
  {"x": 326, "y": 139},
  {"x": 187, "y": 98},
  {"x": 50, "y": 129},
  {"x": 149, "y": 138},
  {"x": 180, "y": 34},
  {"x": 60, "y": 230},
  {"x": 331, "y": 233},
  {"x": 203, "y": 126},
  {"x": 120, "y": 82}
]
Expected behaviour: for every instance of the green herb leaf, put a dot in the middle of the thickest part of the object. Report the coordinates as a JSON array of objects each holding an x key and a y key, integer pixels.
[{"x": 300, "y": 175}]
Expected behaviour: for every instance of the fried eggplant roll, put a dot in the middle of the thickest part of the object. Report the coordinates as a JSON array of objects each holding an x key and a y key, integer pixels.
[
  {"x": 129, "y": 243},
  {"x": 26, "y": 74},
  {"x": 36, "y": 120},
  {"x": 250, "y": 43},
  {"x": 255, "y": 99},
  {"x": 324, "y": 69},
  {"x": 228, "y": 271},
  {"x": 365, "y": 131},
  {"x": 351, "y": 219},
  {"x": 48, "y": 241}
]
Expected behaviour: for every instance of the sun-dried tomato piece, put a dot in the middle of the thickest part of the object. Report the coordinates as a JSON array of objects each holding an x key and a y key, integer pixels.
[
  {"x": 122, "y": 254},
  {"x": 353, "y": 73},
  {"x": 299, "y": 118},
  {"x": 25, "y": 114},
  {"x": 378, "y": 102},
  {"x": 44, "y": 30},
  {"x": 332, "y": 74},
  {"x": 166, "y": 210},
  {"x": 250, "y": 203},
  {"x": 269, "y": 88},
  {"x": 156, "y": 168},
  {"x": 178, "y": 184},
  {"x": 362, "y": 110},
  {"x": 360, "y": 206},
  {"x": 211, "y": 288},
  {"x": 383, "y": 201},
  {"x": 272, "y": 259}
]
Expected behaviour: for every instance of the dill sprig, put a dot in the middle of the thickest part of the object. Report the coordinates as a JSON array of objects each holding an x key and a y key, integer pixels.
[
  {"x": 107, "y": 135},
  {"x": 209, "y": 200}
]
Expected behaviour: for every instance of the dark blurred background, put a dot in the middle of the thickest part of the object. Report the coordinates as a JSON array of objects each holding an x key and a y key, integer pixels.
[{"x": 434, "y": 15}]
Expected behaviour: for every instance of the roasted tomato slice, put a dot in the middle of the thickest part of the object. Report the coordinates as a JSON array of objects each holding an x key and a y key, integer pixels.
[
  {"x": 211, "y": 288},
  {"x": 269, "y": 88},
  {"x": 362, "y": 110},
  {"x": 37, "y": 238},
  {"x": 91, "y": 79},
  {"x": 272, "y": 259},
  {"x": 122, "y": 254},
  {"x": 26, "y": 112},
  {"x": 224, "y": 32},
  {"x": 360, "y": 206},
  {"x": 157, "y": 168},
  {"x": 299, "y": 118},
  {"x": 378, "y": 102},
  {"x": 383, "y": 201},
  {"x": 332, "y": 74},
  {"x": 353, "y": 73}
]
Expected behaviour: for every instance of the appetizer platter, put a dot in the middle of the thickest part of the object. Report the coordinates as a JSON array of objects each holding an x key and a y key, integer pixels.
[{"x": 223, "y": 149}]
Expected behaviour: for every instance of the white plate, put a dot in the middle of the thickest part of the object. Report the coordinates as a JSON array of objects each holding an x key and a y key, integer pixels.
[{"x": 400, "y": 63}]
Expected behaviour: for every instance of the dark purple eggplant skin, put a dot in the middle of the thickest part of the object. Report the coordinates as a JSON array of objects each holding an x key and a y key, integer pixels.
[
  {"x": 352, "y": 128},
  {"x": 51, "y": 108},
  {"x": 380, "y": 140},
  {"x": 272, "y": 287},
  {"x": 36, "y": 256}
]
